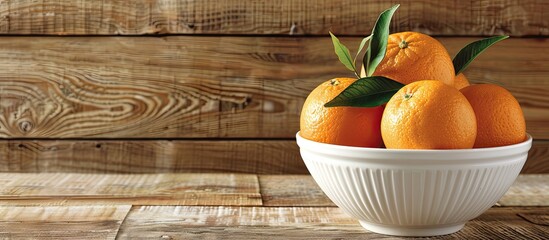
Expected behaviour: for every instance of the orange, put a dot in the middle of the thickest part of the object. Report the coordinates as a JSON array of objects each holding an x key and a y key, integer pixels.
[
  {"x": 428, "y": 115},
  {"x": 499, "y": 116},
  {"x": 460, "y": 81},
  {"x": 413, "y": 56},
  {"x": 350, "y": 126}
]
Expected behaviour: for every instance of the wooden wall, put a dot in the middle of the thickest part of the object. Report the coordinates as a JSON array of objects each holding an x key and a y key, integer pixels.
[{"x": 215, "y": 86}]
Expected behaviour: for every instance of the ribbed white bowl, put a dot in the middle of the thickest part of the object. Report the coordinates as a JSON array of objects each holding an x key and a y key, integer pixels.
[{"x": 413, "y": 192}]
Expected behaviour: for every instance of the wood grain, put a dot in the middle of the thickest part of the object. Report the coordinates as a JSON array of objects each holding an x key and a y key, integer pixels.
[
  {"x": 61, "y": 222},
  {"x": 538, "y": 158},
  {"x": 301, "y": 223},
  {"x": 527, "y": 190},
  {"x": 302, "y": 190},
  {"x": 176, "y": 156},
  {"x": 34, "y": 218},
  {"x": 292, "y": 190},
  {"x": 151, "y": 156},
  {"x": 156, "y": 87},
  {"x": 137, "y": 189},
  {"x": 302, "y": 17},
  {"x": 205, "y": 87},
  {"x": 203, "y": 189},
  {"x": 210, "y": 222}
]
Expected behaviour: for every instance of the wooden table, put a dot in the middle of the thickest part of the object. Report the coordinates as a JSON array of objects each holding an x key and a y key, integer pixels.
[{"x": 240, "y": 206}]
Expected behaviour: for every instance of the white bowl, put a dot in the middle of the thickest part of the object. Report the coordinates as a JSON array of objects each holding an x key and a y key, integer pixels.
[{"x": 413, "y": 192}]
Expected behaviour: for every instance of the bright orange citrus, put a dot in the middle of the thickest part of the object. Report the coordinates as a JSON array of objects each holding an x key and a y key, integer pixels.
[
  {"x": 348, "y": 126},
  {"x": 428, "y": 115},
  {"x": 413, "y": 56},
  {"x": 499, "y": 116},
  {"x": 460, "y": 81}
]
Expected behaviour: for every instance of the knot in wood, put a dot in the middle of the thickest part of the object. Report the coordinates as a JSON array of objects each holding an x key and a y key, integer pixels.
[
  {"x": 293, "y": 28},
  {"x": 233, "y": 105},
  {"x": 25, "y": 126}
]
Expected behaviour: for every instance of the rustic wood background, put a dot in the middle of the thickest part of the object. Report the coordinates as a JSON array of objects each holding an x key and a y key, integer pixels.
[{"x": 216, "y": 86}]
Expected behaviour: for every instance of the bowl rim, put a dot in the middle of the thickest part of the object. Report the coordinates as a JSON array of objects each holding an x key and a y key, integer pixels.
[{"x": 449, "y": 154}]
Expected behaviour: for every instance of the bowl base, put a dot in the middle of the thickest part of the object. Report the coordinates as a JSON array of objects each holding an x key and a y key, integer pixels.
[{"x": 395, "y": 230}]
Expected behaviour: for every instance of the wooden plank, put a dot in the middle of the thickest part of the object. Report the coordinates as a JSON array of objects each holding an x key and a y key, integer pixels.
[
  {"x": 184, "y": 222},
  {"x": 206, "y": 189},
  {"x": 176, "y": 156},
  {"x": 202, "y": 87},
  {"x": 144, "y": 189},
  {"x": 197, "y": 189},
  {"x": 500, "y": 223},
  {"x": 538, "y": 158},
  {"x": 212, "y": 222},
  {"x": 302, "y": 190},
  {"x": 292, "y": 190},
  {"x": 528, "y": 190},
  {"x": 302, "y": 17},
  {"x": 61, "y": 222},
  {"x": 155, "y": 87},
  {"x": 151, "y": 156}
]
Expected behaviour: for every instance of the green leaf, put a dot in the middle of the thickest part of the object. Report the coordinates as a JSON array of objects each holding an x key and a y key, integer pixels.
[
  {"x": 366, "y": 92},
  {"x": 343, "y": 53},
  {"x": 378, "y": 43},
  {"x": 467, "y": 54},
  {"x": 360, "y": 47}
]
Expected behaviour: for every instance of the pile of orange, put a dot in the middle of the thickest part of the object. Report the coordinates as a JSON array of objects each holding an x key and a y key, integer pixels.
[{"x": 434, "y": 110}]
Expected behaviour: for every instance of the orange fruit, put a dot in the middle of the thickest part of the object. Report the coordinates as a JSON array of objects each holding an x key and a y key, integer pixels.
[
  {"x": 350, "y": 126},
  {"x": 413, "y": 56},
  {"x": 428, "y": 115},
  {"x": 499, "y": 116},
  {"x": 460, "y": 81}
]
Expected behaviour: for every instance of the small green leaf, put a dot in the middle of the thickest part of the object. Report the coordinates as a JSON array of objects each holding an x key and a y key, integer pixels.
[
  {"x": 360, "y": 47},
  {"x": 467, "y": 54},
  {"x": 343, "y": 53},
  {"x": 366, "y": 92},
  {"x": 378, "y": 43}
]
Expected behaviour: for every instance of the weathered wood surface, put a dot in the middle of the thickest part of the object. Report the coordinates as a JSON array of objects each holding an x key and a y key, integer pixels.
[
  {"x": 203, "y": 189},
  {"x": 219, "y": 87},
  {"x": 24, "y": 214},
  {"x": 538, "y": 158},
  {"x": 156, "y": 87},
  {"x": 302, "y": 17},
  {"x": 307, "y": 223},
  {"x": 164, "y": 156},
  {"x": 61, "y": 222},
  {"x": 528, "y": 190},
  {"x": 136, "y": 189},
  {"x": 292, "y": 190},
  {"x": 302, "y": 190},
  {"x": 151, "y": 156}
]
